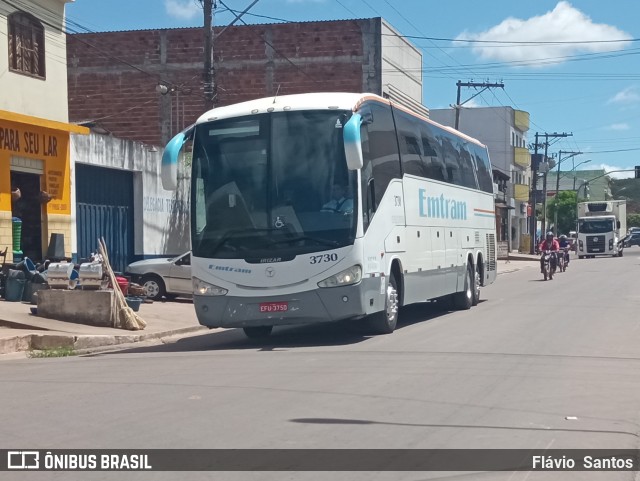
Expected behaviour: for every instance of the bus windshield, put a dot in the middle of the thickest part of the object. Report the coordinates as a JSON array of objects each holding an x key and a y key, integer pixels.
[
  {"x": 273, "y": 184},
  {"x": 595, "y": 226}
]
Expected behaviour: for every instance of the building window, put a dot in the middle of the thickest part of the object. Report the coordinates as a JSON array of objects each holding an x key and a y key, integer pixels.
[{"x": 26, "y": 45}]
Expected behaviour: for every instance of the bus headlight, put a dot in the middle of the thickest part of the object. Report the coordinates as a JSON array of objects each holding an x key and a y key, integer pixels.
[
  {"x": 347, "y": 277},
  {"x": 203, "y": 288}
]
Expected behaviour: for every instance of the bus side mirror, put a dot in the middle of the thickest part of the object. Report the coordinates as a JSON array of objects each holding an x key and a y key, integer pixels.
[
  {"x": 353, "y": 142},
  {"x": 169, "y": 171}
]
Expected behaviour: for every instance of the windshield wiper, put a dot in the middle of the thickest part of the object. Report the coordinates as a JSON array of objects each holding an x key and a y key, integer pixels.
[{"x": 232, "y": 233}]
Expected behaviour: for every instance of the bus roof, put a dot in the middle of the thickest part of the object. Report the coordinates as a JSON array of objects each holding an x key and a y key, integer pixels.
[
  {"x": 323, "y": 100},
  {"x": 312, "y": 101}
]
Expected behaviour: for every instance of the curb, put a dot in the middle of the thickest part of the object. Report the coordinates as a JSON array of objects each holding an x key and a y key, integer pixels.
[{"x": 28, "y": 342}]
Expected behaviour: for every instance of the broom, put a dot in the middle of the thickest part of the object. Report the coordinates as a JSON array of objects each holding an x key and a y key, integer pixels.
[{"x": 126, "y": 316}]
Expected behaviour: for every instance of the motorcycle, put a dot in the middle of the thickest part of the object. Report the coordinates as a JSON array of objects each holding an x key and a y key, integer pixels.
[
  {"x": 561, "y": 262},
  {"x": 548, "y": 264},
  {"x": 563, "y": 259}
]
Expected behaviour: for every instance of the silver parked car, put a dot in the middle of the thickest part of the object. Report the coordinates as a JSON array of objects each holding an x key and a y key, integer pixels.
[{"x": 163, "y": 277}]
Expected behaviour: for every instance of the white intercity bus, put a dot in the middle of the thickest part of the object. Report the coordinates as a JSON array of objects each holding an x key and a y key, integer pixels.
[{"x": 331, "y": 206}]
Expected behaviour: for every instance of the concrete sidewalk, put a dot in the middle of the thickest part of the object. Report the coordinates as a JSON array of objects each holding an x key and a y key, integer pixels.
[
  {"x": 22, "y": 331},
  {"x": 516, "y": 261}
]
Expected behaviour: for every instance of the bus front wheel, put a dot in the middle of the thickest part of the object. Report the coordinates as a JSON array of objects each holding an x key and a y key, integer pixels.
[{"x": 384, "y": 322}]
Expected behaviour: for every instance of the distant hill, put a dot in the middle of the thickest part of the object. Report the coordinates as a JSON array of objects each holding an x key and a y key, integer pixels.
[{"x": 627, "y": 189}]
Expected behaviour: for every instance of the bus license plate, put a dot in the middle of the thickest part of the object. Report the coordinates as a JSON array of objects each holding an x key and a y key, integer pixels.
[{"x": 274, "y": 306}]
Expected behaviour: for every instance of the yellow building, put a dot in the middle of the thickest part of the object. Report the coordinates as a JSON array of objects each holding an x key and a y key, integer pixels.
[
  {"x": 34, "y": 157},
  {"x": 34, "y": 128}
]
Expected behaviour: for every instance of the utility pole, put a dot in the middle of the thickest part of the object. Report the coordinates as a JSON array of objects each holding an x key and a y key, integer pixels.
[
  {"x": 543, "y": 228},
  {"x": 544, "y": 187},
  {"x": 560, "y": 159},
  {"x": 534, "y": 185},
  {"x": 208, "y": 54},
  {"x": 484, "y": 85}
]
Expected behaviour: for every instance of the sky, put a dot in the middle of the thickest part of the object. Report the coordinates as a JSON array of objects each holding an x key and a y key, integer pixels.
[{"x": 574, "y": 66}]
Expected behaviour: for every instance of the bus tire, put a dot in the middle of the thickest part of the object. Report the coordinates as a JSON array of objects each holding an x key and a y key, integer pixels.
[
  {"x": 257, "y": 332},
  {"x": 464, "y": 300},
  {"x": 476, "y": 287},
  {"x": 385, "y": 321}
]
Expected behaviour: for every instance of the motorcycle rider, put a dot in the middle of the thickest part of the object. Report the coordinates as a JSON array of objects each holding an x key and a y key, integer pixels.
[
  {"x": 564, "y": 243},
  {"x": 549, "y": 244}
]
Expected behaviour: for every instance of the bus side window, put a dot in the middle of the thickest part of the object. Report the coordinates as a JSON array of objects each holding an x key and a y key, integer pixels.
[
  {"x": 432, "y": 164},
  {"x": 408, "y": 138},
  {"x": 383, "y": 149},
  {"x": 484, "y": 168},
  {"x": 468, "y": 169}
]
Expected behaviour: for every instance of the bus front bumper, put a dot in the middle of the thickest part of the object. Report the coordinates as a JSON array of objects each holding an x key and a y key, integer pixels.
[{"x": 319, "y": 305}]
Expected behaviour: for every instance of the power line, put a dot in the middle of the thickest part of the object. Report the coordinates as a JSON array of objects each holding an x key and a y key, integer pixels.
[
  {"x": 345, "y": 7},
  {"x": 590, "y": 152},
  {"x": 507, "y": 42},
  {"x": 297, "y": 67}
]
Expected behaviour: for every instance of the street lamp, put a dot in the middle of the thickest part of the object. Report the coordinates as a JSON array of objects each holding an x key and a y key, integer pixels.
[
  {"x": 574, "y": 177},
  {"x": 572, "y": 154},
  {"x": 560, "y": 160}
]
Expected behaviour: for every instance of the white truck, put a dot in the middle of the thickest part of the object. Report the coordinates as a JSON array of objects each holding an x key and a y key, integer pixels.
[{"x": 601, "y": 227}]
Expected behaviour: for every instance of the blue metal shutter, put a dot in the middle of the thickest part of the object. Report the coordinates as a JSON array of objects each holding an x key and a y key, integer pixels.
[{"x": 104, "y": 200}]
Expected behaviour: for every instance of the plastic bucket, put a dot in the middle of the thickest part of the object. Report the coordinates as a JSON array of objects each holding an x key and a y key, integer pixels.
[
  {"x": 134, "y": 302},
  {"x": 14, "y": 289},
  {"x": 124, "y": 284}
]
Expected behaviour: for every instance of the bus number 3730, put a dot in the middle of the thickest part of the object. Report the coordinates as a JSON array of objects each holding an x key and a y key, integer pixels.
[{"x": 323, "y": 258}]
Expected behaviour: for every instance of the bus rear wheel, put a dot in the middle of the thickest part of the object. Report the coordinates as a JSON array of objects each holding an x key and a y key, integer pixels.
[
  {"x": 476, "y": 287},
  {"x": 464, "y": 300},
  {"x": 385, "y": 322},
  {"x": 257, "y": 332}
]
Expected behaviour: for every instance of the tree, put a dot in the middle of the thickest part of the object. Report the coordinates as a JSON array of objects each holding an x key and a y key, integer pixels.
[
  {"x": 566, "y": 204},
  {"x": 628, "y": 189},
  {"x": 633, "y": 220}
]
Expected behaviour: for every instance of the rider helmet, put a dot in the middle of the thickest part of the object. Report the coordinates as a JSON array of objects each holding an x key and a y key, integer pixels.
[
  {"x": 563, "y": 237},
  {"x": 549, "y": 235}
]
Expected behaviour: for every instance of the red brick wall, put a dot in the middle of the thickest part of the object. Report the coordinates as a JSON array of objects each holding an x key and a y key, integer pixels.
[{"x": 120, "y": 95}]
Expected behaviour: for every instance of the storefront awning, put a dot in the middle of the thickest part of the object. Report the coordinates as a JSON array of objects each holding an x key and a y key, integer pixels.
[
  {"x": 40, "y": 122},
  {"x": 498, "y": 175},
  {"x": 502, "y": 205}
]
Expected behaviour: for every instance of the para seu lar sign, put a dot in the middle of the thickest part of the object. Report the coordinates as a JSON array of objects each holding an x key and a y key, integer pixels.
[{"x": 28, "y": 142}]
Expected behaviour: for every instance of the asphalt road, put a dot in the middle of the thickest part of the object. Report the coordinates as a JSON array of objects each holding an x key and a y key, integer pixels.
[{"x": 537, "y": 365}]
